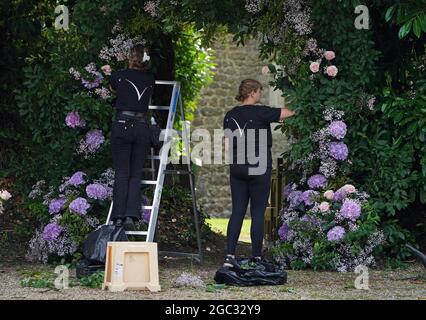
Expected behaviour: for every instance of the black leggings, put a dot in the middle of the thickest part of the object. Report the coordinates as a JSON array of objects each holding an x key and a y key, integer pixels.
[{"x": 245, "y": 187}]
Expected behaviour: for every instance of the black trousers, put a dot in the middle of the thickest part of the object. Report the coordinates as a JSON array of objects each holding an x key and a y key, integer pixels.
[
  {"x": 245, "y": 188},
  {"x": 130, "y": 144}
]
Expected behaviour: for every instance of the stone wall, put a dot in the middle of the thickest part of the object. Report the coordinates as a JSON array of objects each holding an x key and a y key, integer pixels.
[{"x": 233, "y": 65}]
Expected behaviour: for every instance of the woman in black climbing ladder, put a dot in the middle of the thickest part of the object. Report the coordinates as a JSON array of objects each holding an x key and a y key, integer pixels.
[
  {"x": 247, "y": 127},
  {"x": 130, "y": 137}
]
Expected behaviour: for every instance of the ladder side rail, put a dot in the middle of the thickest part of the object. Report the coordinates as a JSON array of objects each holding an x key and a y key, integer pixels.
[
  {"x": 191, "y": 181},
  {"x": 163, "y": 163}
]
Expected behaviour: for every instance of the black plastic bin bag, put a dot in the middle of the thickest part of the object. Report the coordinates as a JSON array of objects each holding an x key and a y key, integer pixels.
[{"x": 252, "y": 274}]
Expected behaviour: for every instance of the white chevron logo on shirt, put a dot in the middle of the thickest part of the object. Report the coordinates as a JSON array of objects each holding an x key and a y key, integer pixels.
[
  {"x": 136, "y": 88},
  {"x": 239, "y": 128}
]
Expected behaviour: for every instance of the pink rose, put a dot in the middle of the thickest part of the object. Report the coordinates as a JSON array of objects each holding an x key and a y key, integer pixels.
[
  {"x": 329, "y": 194},
  {"x": 106, "y": 69},
  {"x": 329, "y": 55},
  {"x": 314, "y": 67},
  {"x": 324, "y": 206},
  {"x": 349, "y": 188},
  {"x": 331, "y": 71},
  {"x": 265, "y": 71}
]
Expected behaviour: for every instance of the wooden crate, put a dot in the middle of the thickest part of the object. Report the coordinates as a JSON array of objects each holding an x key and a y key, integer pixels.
[{"x": 131, "y": 265}]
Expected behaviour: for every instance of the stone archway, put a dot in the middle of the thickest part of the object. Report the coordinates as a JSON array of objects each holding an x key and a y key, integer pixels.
[{"x": 233, "y": 65}]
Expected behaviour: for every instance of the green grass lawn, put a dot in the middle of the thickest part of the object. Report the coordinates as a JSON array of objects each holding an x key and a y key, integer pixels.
[{"x": 220, "y": 225}]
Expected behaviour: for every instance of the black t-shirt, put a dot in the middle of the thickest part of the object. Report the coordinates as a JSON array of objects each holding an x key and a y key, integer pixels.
[
  {"x": 133, "y": 89},
  {"x": 241, "y": 118}
]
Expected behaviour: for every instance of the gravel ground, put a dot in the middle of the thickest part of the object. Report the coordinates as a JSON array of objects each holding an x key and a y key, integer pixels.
[{"x": 408, "y": 283}]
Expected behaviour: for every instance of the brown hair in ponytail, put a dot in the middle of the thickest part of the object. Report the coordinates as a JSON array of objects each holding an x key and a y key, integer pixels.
[
  {"x": 136, "y": 58},
  {"x": 247, "y": 86}
]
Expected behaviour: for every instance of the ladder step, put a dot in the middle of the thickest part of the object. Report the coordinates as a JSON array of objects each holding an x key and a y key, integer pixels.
[
  {"x": 177, "y": 172},
  {"x": 159, "y": 107},
  {"x": 153, "y": 157},
  {"x": 137, "y": 233},
  {"x": 149, "y": 181},
  {"x": 147, "y": 207}
]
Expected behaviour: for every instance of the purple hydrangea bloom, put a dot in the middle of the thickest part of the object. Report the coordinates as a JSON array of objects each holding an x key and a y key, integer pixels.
[
  {"x": 94, "y": 138},
  {"x": 317, "y": 181},
  {"x": 338, "y": 150},
  {"x": 146, "y": 213},
  {"x": 287, "y": 189},
  {"x": 96, "y": 191},
  {"x": 79, "y": 206},
  {"x": 92, "y": 142},
  {"x": 95, "y": 83},
  {"x": 56, "y": 205},
  {"x": 337, "y": 129},
  {"x": 309, "y": 197},
  {"x": 77, "y": 179},
  {"x": 339, "y": 195},
  {"x": 350, "y": 209},
  {"x": 336, "y": 234},
  {"x": 73, "y": 120},
  {"x": 295, "y": 198},
  {"x": 51, "y": 231},
  {"x": 312, "y": 220},
  {"x": 283, "y": 232}
]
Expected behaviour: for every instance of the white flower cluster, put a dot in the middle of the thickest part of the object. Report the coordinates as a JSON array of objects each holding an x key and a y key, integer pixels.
[
  {"x": 120, "y": 48},
  {"x": 187, "y": 279},
  {"x": 4, "y": 196}
]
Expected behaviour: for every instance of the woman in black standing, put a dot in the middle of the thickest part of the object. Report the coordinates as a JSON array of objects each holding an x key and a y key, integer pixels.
[
  {"x": 130, "y": 136},
  {"x": 249, "y": 181}
]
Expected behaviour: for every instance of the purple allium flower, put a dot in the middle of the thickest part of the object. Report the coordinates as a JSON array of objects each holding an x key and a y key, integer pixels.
[
  {"x": 295, "y": 198},
  {"x": 76, "y": 179},
  {"x": 339, "y": 195},
  {"x": 338, "y": 150},
  {"x": 96, "y": 191},
  {"x": 350, "y": 209},
  {"x": 73, "y": 120},
  {"x": 51, "y": 231},
  {"x": 336, "y": 234},
  {"x": 79, "y": 206},
  {"x": 317, "y": 181},
  {"x": 337, "y": 129},
  {"x": 283, "y": 232},
  {"x": 309, "y": 196},
  {"x": 56, "y": 205}
]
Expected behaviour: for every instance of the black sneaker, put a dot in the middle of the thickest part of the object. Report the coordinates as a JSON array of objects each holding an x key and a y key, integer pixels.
[
  {"x": 230, "y": 262},
  {"x": 118, "y": 222},
  {"x": 129, "y": 224}
]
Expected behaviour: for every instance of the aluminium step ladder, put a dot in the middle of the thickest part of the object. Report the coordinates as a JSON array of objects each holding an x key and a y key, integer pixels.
[{"x": 158, "y": 179}]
